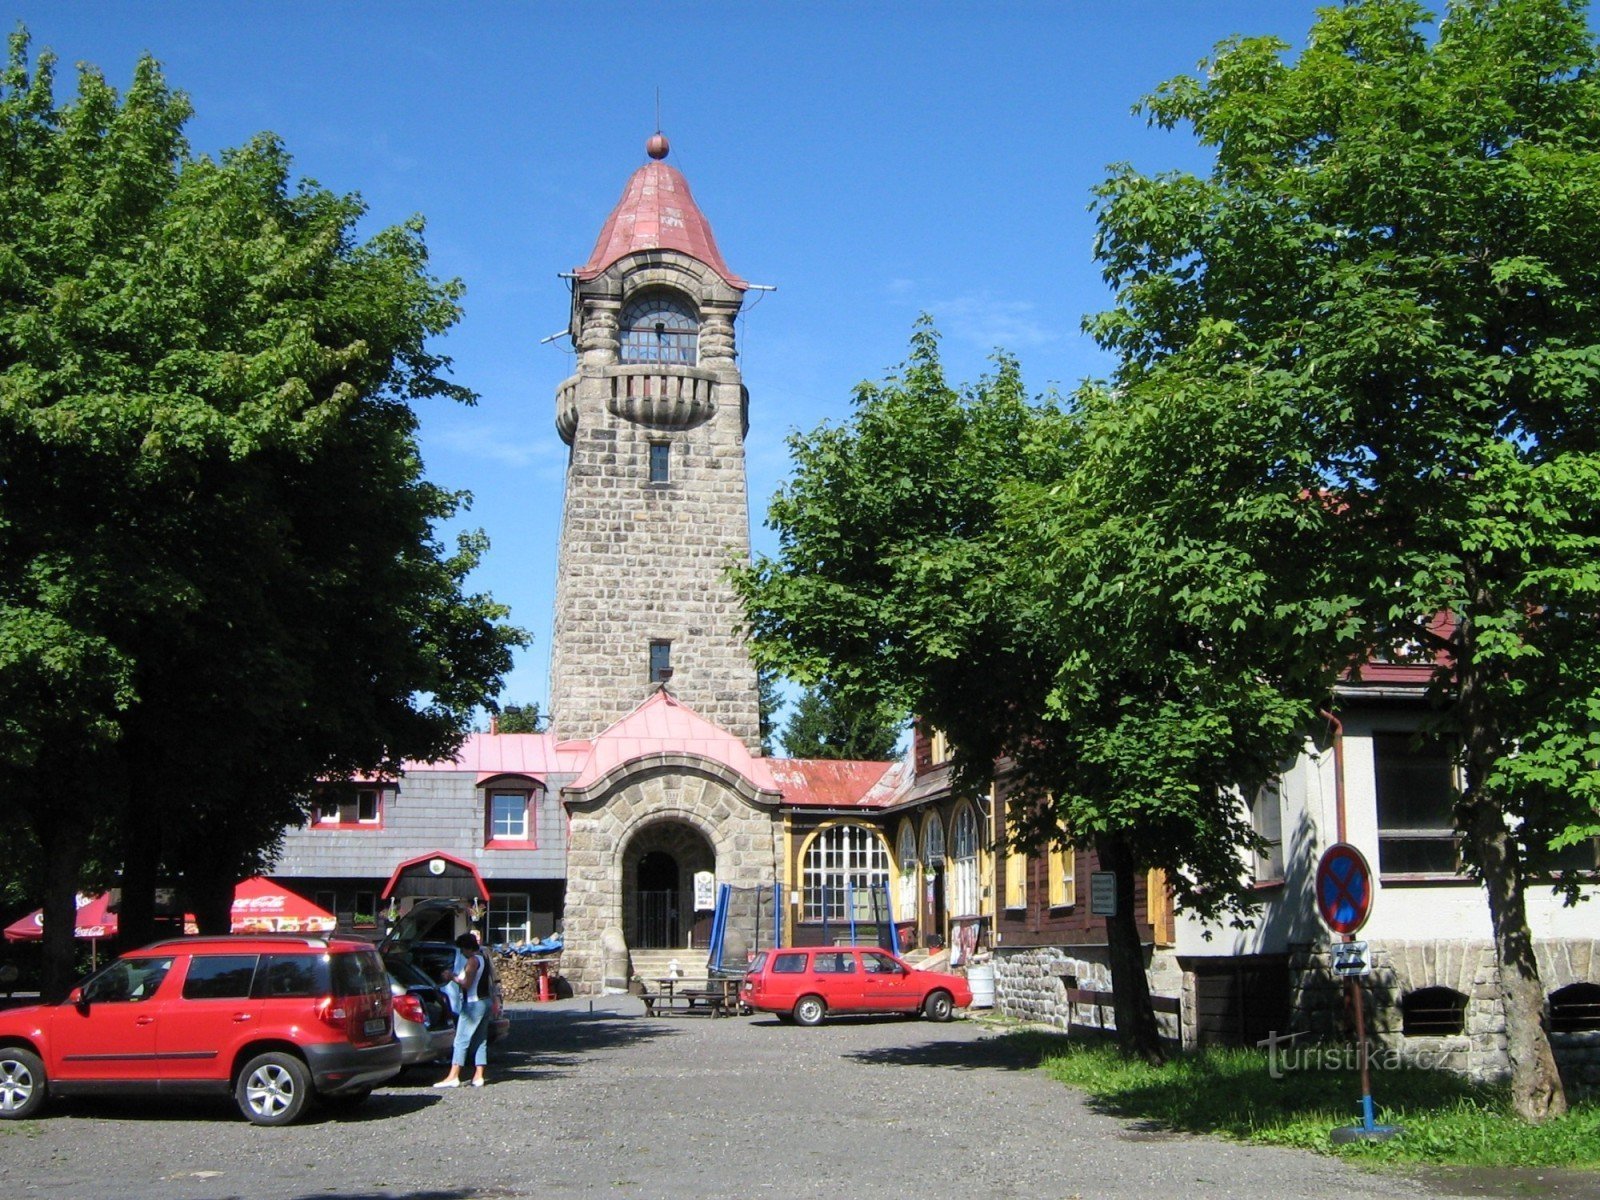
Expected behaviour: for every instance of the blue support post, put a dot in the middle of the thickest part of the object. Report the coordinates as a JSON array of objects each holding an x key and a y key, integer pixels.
[{"x": 894, "y": 926}]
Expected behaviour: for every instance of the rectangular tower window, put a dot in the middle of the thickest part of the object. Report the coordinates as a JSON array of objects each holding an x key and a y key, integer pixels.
[
  {"x": 660, "y": 661},
  {"x": 660, "y": 462}
]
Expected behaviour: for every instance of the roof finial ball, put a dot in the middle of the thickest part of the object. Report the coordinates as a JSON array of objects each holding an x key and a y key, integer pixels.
[{"x": 657, "y": 146}]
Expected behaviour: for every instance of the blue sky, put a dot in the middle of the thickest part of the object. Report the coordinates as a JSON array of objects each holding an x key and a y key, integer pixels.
[{"x": 872, "y": 161}]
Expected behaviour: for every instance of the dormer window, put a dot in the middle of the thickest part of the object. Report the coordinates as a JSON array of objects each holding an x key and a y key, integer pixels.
[{"x": 659, "y": 327}]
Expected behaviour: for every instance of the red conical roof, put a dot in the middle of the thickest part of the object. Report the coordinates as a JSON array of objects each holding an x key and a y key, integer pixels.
[{"x": 657, "y": 212}]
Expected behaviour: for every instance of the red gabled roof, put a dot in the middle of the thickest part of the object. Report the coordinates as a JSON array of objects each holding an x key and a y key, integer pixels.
[
  {"x": 657, "y": 212},
  {"x": 828, "y": 783}
]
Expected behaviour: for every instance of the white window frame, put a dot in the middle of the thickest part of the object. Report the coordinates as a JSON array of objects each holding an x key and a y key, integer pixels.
[
  {"x": 1266, "y": 819},
  {"x": 910, "y": 870},
  {"x": 510, "y": 919},
  {"x": 843, "y": 865},
  {"x": 965, "y": 885},
  {"x": 521, "y": 800}
]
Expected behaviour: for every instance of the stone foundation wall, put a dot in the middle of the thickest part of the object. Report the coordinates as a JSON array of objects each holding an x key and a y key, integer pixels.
[
  {"x": 1029, "y": 985},
  {"x": 1468, "y": 967}
]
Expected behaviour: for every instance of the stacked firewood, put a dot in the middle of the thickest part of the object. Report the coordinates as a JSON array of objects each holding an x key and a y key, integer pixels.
[{"x": 519, "y": 975}]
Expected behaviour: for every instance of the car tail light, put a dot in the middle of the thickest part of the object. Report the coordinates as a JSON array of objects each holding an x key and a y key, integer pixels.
[{"x": 409, "y": 1007}]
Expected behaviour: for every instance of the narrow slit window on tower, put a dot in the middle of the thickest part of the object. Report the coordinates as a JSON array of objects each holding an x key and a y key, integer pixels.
[
  {"x": 660, "y": 661},
  {"x": 660, "y": 462}
]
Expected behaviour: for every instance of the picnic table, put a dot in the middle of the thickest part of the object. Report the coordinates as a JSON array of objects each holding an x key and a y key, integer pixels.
[{"x": 713, "y": 997}]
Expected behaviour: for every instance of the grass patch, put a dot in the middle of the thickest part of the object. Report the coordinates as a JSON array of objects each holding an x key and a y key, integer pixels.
[{"x": 1448, "y": 1121}]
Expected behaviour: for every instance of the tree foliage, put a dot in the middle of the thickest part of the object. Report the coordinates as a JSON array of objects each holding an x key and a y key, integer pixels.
[
  {"x": 978, "y": 558},
  {"x": 823, "y": 725},
  {"x": 219, "y": 579},
  {"x": 1384, "y": 294},
  {"x": 520, "y": 718}
]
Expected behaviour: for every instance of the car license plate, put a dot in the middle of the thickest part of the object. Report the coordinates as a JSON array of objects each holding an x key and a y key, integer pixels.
[{"x": 376, "y": 1025}]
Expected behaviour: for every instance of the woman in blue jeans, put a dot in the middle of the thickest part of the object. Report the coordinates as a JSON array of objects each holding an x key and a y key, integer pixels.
[{"x": 472, "y": 1023}]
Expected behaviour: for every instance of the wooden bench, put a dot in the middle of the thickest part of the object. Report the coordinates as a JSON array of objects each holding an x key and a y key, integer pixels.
[{"x": 1098, "y": 1000}]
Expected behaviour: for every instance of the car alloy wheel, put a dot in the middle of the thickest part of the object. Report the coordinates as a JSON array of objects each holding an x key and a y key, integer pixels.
[
  {"x": 273, "y": 1089},
  {"x": 22, "y": 1084},
  {"x": 938, "y": 1006}
]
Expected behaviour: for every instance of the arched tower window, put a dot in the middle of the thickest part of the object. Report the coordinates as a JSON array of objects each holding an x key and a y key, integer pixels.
[
  {"x": 659, "y": 327},
  {"x": 843, "y": 866},
  {"x": 964, "y": 862}
]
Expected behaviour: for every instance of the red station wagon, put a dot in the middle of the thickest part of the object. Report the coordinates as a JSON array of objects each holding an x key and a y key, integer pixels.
[
  {"x": 807, "y": 983},
  {"x": 273, "y": 1020}
]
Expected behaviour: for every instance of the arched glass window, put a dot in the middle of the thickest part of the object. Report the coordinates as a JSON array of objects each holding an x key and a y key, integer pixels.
[
  {"x": 906, "y": 857},
  {"x": 964, "y": 863},
  {"x": 933, "y": 842},
  {"x": 843, "y": 865},
  {"x": 659, "y": 327}
]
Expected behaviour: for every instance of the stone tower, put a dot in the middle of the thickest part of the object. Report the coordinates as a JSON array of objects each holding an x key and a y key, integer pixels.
[{"x": 656, "y": 502}]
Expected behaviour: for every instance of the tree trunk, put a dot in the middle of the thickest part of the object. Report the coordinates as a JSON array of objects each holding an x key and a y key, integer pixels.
[
  {"x": 212, "y": 899},
  {"x": 1137, "y": 1030},
  {"x": 141, "y": 861},
  {"x": 62, "y": 846},
  {"x": 1536, "y": 1091}
]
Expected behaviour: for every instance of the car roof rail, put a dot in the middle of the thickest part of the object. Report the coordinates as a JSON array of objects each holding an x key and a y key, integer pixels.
[{"x": 295, "y": 939}]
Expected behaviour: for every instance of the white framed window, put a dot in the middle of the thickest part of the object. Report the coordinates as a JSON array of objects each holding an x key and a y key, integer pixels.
[
  {"x": 843, "y": 865},
  {"x": 1266, "y": 818},
  {"x": 906, "y": 859},
  {"x": 933, "y": 842},
  {"x": 510, "y": 918},
  {"x": 510, "y": 816},
  {"x": 965, "y": 899},
  {"x": 346, "y": 806}
]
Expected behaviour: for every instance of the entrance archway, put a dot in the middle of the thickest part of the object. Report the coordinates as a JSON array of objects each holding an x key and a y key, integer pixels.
[{"x": 658, "y": 870}]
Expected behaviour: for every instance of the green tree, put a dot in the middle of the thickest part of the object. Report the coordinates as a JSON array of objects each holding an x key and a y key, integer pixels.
[
  {"x": 218, "y": 576},
  {"x": 769, "y": 700},
  {"x": 824, "y": 725},
  {"x": 1388, "y": 281},
  {"x": 520, "y": 718},
  {"x": 968, "y": 557}
]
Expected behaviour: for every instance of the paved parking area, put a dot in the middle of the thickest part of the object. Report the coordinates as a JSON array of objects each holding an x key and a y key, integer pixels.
[{"x": 595, "y": 1099}]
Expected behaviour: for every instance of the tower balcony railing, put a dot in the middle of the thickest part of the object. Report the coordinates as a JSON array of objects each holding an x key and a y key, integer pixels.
[{"x": 660, "y": 395}]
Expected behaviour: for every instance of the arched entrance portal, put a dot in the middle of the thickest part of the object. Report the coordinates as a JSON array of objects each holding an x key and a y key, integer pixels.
[{"x": 658, "y": 870}]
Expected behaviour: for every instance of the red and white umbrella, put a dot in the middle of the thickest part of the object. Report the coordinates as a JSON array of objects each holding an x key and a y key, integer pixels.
[
  {"x": 259, "y": 906},
  {"x": 94, "y": 921}
]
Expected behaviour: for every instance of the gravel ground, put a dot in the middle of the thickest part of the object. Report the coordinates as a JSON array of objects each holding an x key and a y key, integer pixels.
[{"x": 591, "y": 1098}]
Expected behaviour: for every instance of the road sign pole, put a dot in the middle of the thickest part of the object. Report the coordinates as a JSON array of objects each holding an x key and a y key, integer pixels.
[
  {"x": 1344, "y": 900},
  {"x": 1353, "y": 985}
]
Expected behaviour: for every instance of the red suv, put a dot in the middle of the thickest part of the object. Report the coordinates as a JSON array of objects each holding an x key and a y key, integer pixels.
[
  {"x": 273, "y": 1020},
  {"x": 806, "y": 983}
]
